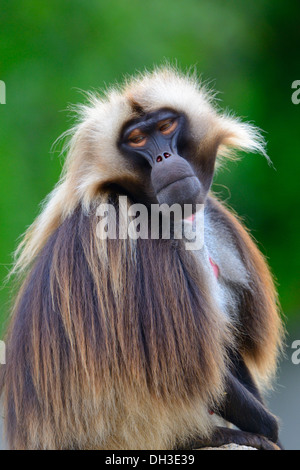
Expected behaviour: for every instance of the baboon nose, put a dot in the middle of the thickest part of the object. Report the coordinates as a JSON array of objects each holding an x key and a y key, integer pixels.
[{"x": 165, "y": 154}]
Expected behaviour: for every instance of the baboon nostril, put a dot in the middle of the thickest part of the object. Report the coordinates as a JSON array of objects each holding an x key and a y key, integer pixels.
[
  {"x": 167, "y": 155},
  {"x": 159, "y": 158}
]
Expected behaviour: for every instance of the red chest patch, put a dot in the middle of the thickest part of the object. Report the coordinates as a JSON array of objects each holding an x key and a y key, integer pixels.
[{"x": 215, "y": 268}]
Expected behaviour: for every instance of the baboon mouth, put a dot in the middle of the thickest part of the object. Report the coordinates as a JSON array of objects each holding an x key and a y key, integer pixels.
[
  {"x": 182, "y": 191},
  {"x": 186, "y": 177}
]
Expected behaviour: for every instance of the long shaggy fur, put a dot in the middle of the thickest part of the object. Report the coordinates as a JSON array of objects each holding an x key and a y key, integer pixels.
[{"x": 121, "y": 344}]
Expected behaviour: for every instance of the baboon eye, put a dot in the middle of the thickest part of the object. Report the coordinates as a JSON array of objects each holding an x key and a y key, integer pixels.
[
  {"x": 137, "y": 138},
  {"x": 167, "y": 126}
]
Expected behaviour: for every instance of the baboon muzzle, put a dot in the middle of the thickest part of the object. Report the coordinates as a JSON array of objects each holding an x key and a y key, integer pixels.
[{"x": 174, "y": 180}]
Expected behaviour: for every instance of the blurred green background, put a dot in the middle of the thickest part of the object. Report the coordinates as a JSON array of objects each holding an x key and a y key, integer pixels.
[{"x": 248, "y": 51}]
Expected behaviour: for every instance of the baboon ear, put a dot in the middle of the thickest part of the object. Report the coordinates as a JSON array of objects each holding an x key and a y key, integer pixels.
[{"x": 236, "y": 135}]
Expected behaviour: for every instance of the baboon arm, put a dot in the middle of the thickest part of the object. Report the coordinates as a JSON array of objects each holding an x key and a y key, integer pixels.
[
  {"x": 223, "y": 436},
  {"x": 245, "y": 411}
]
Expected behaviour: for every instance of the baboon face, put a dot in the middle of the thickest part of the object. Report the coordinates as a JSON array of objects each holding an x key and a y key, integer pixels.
[{"x": 160, "y": 145}]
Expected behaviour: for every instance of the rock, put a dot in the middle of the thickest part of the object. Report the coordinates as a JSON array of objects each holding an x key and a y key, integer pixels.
[{"x": 229, "y": 447}]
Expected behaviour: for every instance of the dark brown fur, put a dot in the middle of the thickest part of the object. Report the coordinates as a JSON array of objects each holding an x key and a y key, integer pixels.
[{"x": 71, "y": 326}]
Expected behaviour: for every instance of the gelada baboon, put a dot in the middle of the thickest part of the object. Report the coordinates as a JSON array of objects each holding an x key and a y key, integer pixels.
[{"x": 139, "y": 343}]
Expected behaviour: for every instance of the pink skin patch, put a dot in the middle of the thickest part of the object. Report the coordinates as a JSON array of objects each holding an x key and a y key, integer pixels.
[
  {"x": 215, "y": 268},
  {"x": 191, "y": 218}
]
